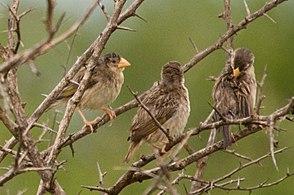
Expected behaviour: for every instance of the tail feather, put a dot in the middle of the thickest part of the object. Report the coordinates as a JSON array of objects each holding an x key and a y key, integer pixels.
[
  {"x": 225, "y": 131},
  {"x": 131, "y": 151},
  {"x": 227, "y": 136}
]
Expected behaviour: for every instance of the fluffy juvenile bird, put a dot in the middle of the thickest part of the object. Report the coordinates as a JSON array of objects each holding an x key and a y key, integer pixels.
[
  {"x": 102, "y": 89},
  {"x": 169, "y": 104},
  {"x": 235, "y": 90}
]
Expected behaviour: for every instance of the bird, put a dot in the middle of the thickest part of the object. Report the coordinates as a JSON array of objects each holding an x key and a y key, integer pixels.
[
  {"x": 168, "y": 101},
  {"x": 234, "y": 91},
  {"x": 102, "y": 89}
]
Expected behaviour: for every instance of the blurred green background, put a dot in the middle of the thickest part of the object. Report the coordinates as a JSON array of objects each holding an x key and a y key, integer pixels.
[{"x": 164, "y": 37}]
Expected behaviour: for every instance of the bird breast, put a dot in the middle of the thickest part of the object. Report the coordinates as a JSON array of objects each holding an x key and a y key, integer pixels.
[
  {"x": 175, "y": 125},
  {"x": 103, "y": 93}
]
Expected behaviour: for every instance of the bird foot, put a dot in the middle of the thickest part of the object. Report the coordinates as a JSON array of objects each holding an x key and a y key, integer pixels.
[
  {"x": 233, "y": 138},
  {"x": 111, "y": 115},
  {"x": 89, "y": 124}
]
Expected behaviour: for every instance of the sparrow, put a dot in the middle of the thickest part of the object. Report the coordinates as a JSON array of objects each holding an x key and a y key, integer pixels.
[
  {"x": 102, "y": 89},
  {"x": 235, "y": 90},
  {"x": 168, "y": 101}
]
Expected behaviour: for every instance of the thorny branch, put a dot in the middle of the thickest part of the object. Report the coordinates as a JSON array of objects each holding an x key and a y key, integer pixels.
[
  {"x": 208, "y": 186},
  {"x": 28, "y": 158},
  {"x": 202, "y": 163},
  {"x": 195, "y": 59},
  {"x": 165, "y": 131},
  {"x": 236, "y": 28},
  {"x": 132, "y": 176},
  {"x": 48, "y": 183}
]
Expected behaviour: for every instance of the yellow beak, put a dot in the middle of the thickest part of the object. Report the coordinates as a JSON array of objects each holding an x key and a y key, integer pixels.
[
  {"x": 123, "y": 63},
  {"x": 236, "y": 73}
]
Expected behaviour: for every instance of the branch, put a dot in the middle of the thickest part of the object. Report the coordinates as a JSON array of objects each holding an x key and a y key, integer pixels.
[
  {"x": 259, "y": 186},
  {"x": 260, "y": 96},
  {"x": 240, "y": 26},
  {"x": 210, "y": 186},
  {"x": 163, "y": 130},
  {"x": 198, "y": 57},
  {"x": 42, "y": 47},
  {"x": 133, "y": 175}
]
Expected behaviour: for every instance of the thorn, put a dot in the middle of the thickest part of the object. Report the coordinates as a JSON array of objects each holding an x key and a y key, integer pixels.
[
  {"x": 212, "y": 78},
  {"x": 137, "y": 15},
  {"x": 194, "y": 45},
  {"x": 126, "y": 28},
  {"x": 270, "y": 18},
  {"x": 221, "y": 15},
  {"x": 246, "y": 7}
]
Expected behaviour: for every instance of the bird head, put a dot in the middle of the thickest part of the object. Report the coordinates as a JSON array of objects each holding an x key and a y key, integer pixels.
[
  {"x": 172, "y": 73},
  {"x": 242, "y": 62},
  {"x": 113, "y": 60}
]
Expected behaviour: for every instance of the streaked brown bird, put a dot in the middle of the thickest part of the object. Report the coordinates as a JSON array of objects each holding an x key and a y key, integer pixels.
[
  {"x": 169, "y": 104},
  {"x": 102, "y": 89},
  {"x": 235, "y": 90}
]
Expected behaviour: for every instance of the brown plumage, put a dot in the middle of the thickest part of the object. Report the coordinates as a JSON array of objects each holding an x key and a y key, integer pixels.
[
  {"x": 169, "y": 103},
  {"x": 102, "y": 89},
  {"x": 235, "y": 90}
]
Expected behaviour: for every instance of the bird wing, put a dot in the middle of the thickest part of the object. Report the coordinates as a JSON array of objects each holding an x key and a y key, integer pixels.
[
  {"x": 246, "y": 99},
  {"x": 68, "y": 91},
  {"x": 72, "y": 87},
  {"x": 143, "y": 125}
]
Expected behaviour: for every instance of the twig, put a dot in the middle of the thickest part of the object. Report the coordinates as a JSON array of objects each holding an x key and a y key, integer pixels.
[
  {"x": 201, "y": 164},
  {"x": 238, "y": 155},
  {"x": 231, "y": 173},
  {"x": 42, "y": 47},
  {"x": 270, "y": 18},
  {"x": 246, "y": 7},
  {"x": 151, "y": 115},
  {"x": 260, "y": 96},
  {"x": 236, "y": 28},
  {"x": 71, "y": 105},
  {"x": 101, "y": 177},
  {"x": 97, "y": 188},
  {"x": 272, "y": 141},
  {"x": 259, "y": 186},
  {"x": 194, "y": 45},
  {"x": 229, "y": 22},
  {"x": 106, "y": 14}
]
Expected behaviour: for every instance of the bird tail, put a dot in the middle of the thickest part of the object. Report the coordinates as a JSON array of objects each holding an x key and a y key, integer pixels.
[
  {"x": 225, "y": 130},
  {"x": 131, "y": 151},
  {"x": 227, "y": 136}
]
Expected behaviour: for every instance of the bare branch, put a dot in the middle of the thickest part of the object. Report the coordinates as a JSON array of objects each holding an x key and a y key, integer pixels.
[
  {"x": 238, "y": 155},
  {"x": 272, "y": 141},
  {"x": 42, "y": 47},
  {"x": 106, "y": 14},
  {"x": 28, "y": 157},
  {"x": 165, "y": 131},
  {"x": 228, "y": 175},
  {"x": 260, "y": 96},
  {"x": 240, "y": 26},
  {"x": 49, "y": 19}
]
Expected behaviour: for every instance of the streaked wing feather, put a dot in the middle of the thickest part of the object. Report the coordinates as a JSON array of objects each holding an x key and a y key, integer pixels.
[
  {"x": 246, "y": 101},
  {"x": 143, "y": 125},
  {"x": 68, "y": 91},
  {"x": 71, "y": 88}
]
